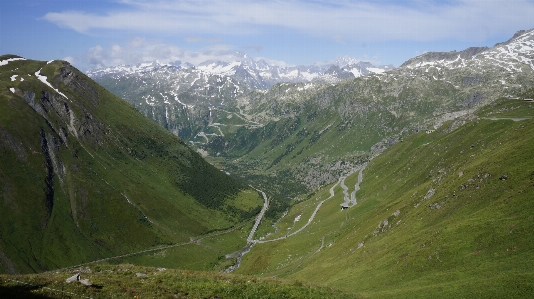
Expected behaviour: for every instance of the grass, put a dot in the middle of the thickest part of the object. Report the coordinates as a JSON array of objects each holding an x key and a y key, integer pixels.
[
  {"x": 442, "y": 215},
  {"x": 110, "y": 181},
  {"x": 122, "y": 281},
  {"x": 447, "y": 214},
  {"x": 205, "y": 253}
]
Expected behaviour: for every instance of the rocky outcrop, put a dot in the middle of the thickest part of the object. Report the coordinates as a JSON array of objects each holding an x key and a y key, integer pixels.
[
  {"x": 48, "y": 180},
  {"x": 79, "y": 85}
]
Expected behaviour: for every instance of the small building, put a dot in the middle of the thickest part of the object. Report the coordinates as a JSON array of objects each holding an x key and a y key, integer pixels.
[{"x": 528, "y": 100}]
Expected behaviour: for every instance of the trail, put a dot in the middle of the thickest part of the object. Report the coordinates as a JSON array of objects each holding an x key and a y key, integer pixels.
[{"x": 328, "y": 234}]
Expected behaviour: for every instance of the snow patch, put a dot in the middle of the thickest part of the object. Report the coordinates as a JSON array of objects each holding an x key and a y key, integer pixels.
[
  {"x": 44, "y": 80},
  {"x": 375, "y": 70},
  {"x": 5, "y": 62},
  {"x": 220, "y": 69}
]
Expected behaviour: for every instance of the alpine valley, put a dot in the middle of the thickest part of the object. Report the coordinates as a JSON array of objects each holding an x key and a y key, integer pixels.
[{"x": 342, "y": 180}]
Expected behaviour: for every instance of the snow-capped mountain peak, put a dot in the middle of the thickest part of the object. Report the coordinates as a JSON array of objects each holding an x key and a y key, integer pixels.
[
  {"x": 510, "y": 55},
  {"x": 254, "y": 73}
]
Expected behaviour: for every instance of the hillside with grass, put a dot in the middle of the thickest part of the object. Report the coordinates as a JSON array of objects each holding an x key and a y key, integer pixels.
[
  {"x": 128, "y": 281},
  {"x": 441, "y": 214},
  {"x": 84, "y": 176}
]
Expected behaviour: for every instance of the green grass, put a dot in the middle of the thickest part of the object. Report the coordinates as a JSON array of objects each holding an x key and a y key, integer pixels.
[
  {"x": 471, "y": 238},
  {"x": 504, "y": 108},
  {"x": 111, "y": 181},
  {"x": 121, "y": 281},
  {"x": 205, "y": 253}
]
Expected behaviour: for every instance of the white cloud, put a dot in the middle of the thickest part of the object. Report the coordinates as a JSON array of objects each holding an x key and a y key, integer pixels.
[
  {"x": 140, "y": 50},
  {"x": 340, "y": 19},
  {"x": 69, "y": 59}
]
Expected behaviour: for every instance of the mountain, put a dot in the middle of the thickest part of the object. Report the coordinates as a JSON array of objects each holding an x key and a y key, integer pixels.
[
  {"x": 84, "y": 176},
  {"x": 179, "y": 99},
  {"x": 410, "y": 183},
  {"x": 247, "y": 71},
  {"x": 311, "y": 133},
  {"x": 296, "y": 137},
  {"x": 443, "y": 213},
  {"x": 180, "y": 96}
]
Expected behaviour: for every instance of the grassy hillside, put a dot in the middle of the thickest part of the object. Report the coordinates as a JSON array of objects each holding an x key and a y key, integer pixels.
[
  {"x": 84, "y": 176},
  {"x": 127, "y": 281},
  {"x": 441, "y": 215}
]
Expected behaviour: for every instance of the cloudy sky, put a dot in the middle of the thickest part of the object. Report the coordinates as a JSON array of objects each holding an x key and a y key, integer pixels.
[{"x": 99, "y": 33}]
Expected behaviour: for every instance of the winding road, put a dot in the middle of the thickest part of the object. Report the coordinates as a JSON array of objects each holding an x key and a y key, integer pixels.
[
  {"x": 250, "y": 242},
  {"x": 357, "y": 185},
  {"x": 341, "y": 182},
  {"x": 349, "y": 202},
  {"x": 259, "y": 217},
  {"x": 307, "y": 223}
]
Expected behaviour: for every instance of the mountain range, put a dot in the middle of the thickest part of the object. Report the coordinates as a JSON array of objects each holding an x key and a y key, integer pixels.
[
  {"x": 291, "y": 136},
  {"x": 413, "y": 182},
  {"x": 249, "y": 72}
]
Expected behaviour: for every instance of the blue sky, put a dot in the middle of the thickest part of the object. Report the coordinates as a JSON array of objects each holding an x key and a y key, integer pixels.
[{"x": 100, "y": 33}]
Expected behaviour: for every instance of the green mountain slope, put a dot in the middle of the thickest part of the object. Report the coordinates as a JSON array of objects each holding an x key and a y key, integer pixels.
[
  {"x": 440, "y": 215},
  {"x": 83, "y": 175}
]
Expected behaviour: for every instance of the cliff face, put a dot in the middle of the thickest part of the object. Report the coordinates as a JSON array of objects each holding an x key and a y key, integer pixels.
[{"x": 84, "y": 176}]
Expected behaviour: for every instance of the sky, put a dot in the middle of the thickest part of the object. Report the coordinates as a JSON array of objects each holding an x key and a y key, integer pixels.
[{"x": 101, "y": 33}]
